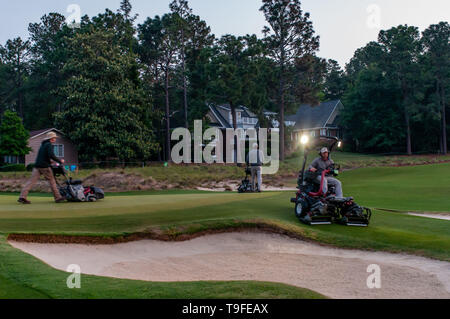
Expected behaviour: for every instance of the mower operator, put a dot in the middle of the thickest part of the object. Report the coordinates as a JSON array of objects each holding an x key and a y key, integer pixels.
[
  {"x": 42, "y": 166},
  {"x": 322, "y": 163},
  {"x": 255, "y": 160}
]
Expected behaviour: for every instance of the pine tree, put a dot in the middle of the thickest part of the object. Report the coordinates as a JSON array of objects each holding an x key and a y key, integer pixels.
[
  {"x": 436, "y": 40},
  {"x": 125, "y": 9},
  {"x": 335, "y": 81},
  {"x": 290, "y": 37},
  {"x": 181, "y": 11},
  {"x": 15, "y": 55},
  {"x": 402, "y": 49}
]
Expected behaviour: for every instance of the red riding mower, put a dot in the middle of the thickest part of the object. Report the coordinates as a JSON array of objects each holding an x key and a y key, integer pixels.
[{"x": 314, "y": 207}]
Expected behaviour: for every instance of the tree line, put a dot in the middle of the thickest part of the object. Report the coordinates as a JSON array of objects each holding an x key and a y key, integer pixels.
[
  {"x": 118, "y": 88},
  {"x": 395, "y": 91}
]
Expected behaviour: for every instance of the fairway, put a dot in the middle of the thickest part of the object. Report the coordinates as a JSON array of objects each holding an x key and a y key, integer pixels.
[{"x": 416, "y": 188}]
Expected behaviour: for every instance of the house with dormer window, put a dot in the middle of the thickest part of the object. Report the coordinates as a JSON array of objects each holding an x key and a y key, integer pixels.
[
  {"x": 321, "y": 120},
  {"x": 221, "y": 116}
]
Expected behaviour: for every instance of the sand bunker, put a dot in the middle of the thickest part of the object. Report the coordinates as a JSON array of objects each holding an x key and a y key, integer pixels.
[{"x": 337, "y": 273}]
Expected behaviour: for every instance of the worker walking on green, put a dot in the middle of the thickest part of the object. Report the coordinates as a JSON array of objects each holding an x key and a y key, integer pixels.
[{"x": 42, "y": 166}]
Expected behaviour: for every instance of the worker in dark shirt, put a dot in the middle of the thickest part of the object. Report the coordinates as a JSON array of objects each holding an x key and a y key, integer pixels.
[{"x": 42, "y": 166}]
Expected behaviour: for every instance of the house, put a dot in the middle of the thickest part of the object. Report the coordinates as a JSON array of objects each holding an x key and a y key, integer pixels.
[
  {"x": 321, "y": 120},
  {"x": 220, "y": 116},
  {"x": 63, "y": 147}
]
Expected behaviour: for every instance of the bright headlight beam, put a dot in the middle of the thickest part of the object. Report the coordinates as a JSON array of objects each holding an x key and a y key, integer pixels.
[{"x": 304, "y": 140}]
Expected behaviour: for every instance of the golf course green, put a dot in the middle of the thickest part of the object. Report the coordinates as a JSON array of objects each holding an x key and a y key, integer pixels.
[{"x": 173, "y": 213}]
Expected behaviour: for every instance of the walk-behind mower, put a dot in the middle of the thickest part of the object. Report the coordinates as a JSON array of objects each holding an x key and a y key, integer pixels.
[
  {"x": 246, "y": 185},
  {"x": 313, "y": 207},
  {"x": 73, "y": 190}
]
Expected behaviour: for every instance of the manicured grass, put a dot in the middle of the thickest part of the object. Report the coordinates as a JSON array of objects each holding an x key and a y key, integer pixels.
[
  {"x": 123, "y": 215},
  {"x": 416, "y": 188}
]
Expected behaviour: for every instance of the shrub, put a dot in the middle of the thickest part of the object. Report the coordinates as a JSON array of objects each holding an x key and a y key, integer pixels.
[
  {"x": 89, "y": 165},
  {"x": 30, "y": 167},
  {"x": 13, "y": 168}
]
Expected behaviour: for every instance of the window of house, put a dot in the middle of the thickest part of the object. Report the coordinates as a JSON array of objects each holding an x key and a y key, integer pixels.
[
  {"x": 323, "y": 132},
  {"x": 313, "y": 133},
  {"x": 290, "y": 123},
  {"x": 11, "y": 159},
  {"x": 239, "y": 117},
  {"x": 58, "y": 150}
]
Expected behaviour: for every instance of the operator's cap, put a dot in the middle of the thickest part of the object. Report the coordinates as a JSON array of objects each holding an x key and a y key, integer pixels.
[
  {"x": 50, "y": 135},
  {"x": 324, "y": 150}
]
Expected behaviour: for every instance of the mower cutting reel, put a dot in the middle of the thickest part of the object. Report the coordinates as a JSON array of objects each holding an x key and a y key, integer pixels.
[
  {"x": 354, "y": 215},
  {"x": 73, "y": 190},
  {"x": 312, "y": 212}
]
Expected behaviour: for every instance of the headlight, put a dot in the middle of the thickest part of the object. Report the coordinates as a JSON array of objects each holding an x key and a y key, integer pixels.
[{"x": 304, "y": 140}]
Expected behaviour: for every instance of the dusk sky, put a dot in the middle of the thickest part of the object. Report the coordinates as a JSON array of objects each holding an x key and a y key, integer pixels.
[{"x": 343, "y": 25}]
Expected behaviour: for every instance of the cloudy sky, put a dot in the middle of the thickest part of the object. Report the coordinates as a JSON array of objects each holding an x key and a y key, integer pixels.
[{"x": 343, "y": 25}]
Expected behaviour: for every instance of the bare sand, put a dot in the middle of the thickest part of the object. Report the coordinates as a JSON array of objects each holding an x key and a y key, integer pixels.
[{"x": 336, "y": 273}]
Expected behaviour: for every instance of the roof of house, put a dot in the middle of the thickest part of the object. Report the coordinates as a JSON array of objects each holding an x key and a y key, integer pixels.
[
  {"x": 34, "y": 134},
  {"x": 221, "y": 112},
  {"x": 313, "y": 117}
]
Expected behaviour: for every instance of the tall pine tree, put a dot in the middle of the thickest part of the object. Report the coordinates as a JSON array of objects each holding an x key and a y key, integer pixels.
[{"x": 289, "y": 36}]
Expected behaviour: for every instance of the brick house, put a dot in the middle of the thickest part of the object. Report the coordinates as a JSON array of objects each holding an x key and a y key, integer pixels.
[
  {"x": 322, "y": 120},
  {"x": 63, "y": 148}
]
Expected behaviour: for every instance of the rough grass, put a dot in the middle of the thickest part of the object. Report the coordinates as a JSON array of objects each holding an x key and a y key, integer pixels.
[{"x": 191, "y": 176}]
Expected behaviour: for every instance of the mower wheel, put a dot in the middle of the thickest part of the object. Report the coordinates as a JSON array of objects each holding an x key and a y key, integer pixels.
[{"x": 299, "y": 209}]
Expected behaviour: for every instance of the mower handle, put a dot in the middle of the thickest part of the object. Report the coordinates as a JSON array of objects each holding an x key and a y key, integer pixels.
[{"x": 58, "y": 170}]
